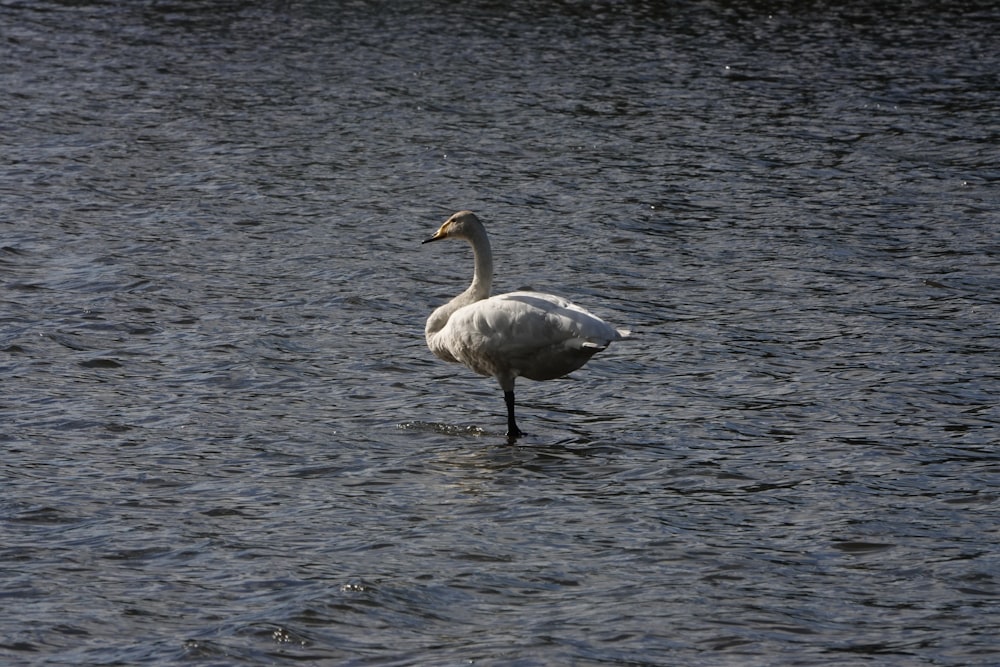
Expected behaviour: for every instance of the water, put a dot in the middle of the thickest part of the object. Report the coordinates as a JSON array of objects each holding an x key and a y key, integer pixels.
[{"x": 225, "y": 442}]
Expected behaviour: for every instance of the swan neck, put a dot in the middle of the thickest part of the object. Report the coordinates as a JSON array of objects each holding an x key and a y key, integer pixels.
[
  {"x": 482, "y": 277},
  {"x": 482, "y": 283}
]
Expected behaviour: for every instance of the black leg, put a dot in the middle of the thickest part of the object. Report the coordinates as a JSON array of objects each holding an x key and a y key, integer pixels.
[{"x": 512, "y": 430}]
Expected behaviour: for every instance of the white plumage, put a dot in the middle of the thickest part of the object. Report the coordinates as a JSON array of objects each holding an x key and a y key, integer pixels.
[{"x": 528, "y": 334}]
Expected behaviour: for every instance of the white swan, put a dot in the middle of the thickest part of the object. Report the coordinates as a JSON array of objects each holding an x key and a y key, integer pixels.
[{"x": 529, "y": 334}]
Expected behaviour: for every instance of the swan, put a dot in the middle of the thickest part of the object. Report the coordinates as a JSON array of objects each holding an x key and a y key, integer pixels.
[{"x": 519, "y": 334}]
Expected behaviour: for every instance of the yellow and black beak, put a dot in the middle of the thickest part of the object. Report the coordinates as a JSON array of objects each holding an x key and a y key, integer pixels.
[{"x": 438, "y": 235}]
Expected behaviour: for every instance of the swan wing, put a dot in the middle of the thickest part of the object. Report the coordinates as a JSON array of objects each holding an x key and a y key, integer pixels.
[{"x": 535, "y": 335}]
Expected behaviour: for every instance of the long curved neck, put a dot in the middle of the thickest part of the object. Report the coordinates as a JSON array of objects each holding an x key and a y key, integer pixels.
[
  {"x": 482, "y": 277},
  {"x": 482, "y": 282}
]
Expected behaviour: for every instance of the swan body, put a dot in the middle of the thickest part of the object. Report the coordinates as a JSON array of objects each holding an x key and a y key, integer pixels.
[{"x": 519, "y": 334}]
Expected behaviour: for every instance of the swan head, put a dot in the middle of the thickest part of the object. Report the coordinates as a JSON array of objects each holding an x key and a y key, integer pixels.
[{"x": 462, "y": 225}]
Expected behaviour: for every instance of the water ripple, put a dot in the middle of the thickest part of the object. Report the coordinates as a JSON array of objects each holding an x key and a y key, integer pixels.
[{"x": 225, "y": 440}]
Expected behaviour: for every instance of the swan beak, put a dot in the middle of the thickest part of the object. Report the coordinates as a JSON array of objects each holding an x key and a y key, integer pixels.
[{"x": 438, "y": 235}]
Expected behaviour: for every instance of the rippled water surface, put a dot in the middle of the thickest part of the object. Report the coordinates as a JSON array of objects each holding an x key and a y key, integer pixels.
[{"x": 225, "y": 441}]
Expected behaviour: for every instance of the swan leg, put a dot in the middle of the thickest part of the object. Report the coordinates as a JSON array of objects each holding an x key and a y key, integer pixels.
[{"x": 512, "y": 430}]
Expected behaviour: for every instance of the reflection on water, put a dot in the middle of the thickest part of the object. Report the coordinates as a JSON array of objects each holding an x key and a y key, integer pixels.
[{"x": 225, "y": 439}]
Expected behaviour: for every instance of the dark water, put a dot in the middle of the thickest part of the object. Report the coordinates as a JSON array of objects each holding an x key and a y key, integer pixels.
[{"x": 225, "y": 442}]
